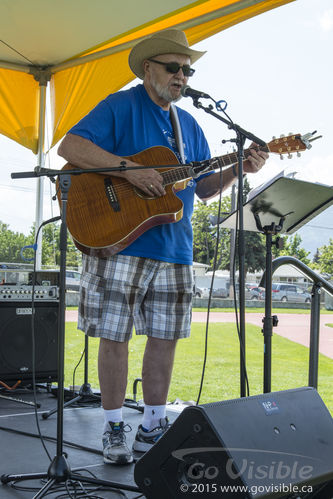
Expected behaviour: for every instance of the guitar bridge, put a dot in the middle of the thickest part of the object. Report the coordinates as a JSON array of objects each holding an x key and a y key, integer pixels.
[{"x": 111, "y": 194}]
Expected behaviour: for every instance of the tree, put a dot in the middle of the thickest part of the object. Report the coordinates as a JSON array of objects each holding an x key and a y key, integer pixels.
[
  {"x": 316, "y": 259},
  {"x": 11, "y": 244},
  {"x": 50, "y": 243},
  {"x": 223, "y": 235},
  {"x": 292, "y": 247},
  {"x": 255, "y": 250},
  {"x": 51, "y": 248},
  {"x": 204, "y": 234},
  {"x": 325, "y": 257},
  {"x": 204, "y": 238}
]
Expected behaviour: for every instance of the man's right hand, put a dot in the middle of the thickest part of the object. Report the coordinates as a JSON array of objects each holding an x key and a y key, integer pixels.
[{"x": 148, "y": 180}]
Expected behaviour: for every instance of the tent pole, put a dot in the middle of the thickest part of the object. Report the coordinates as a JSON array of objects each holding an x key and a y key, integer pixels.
[{"x": 41, "y": 163}]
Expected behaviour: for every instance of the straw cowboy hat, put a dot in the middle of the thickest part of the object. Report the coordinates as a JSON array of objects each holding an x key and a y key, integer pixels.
[{"x": 169, "y": 41}]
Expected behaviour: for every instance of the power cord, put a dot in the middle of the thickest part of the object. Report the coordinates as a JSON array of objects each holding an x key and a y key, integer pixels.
[
  {"x": 52, "y": 439},
  {"x": 211, "y": 288},
  {"x": 75, "y": 368},
  {"x": 235, "y": 299},
  {"x": 236, "y": 311},
  {"x": 78, "y": 489},
  {"x": 33, "y": 355}
]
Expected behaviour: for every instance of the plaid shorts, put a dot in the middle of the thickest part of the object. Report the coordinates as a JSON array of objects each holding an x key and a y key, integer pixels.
[{"x": 121, "y": 291}]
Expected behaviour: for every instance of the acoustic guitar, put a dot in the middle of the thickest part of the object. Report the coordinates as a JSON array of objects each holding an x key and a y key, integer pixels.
[{"x": 105, "y": 214}]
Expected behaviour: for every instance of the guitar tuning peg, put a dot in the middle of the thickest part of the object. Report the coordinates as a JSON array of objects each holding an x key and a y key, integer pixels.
[
  {"x": 273, "y": 137},
  {"x": 290, "y": 156},
  {"x": 282, "y": 135},
  {"x": 298, "y": 154},
  {"x": 281, "y": 156},
  {"x": 290, "y": 133}
]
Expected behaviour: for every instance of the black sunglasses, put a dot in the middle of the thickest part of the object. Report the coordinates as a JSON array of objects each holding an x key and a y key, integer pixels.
[{"x": 174, "y": 67}]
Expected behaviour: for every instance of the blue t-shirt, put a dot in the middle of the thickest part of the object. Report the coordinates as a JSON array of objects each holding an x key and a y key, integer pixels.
[{"x": 128, "y": 122}]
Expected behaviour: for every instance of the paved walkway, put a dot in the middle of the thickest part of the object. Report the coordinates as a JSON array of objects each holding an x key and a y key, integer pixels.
[{"x": 295, "y": 327}]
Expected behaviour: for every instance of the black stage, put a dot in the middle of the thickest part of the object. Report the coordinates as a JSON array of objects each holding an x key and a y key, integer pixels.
[
  {"x": 82, "y": 425},
  {"x": 23, "y": 453}
]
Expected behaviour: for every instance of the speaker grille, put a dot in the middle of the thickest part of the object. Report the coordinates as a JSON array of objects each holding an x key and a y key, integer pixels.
[{"x": 16, "y": 341}]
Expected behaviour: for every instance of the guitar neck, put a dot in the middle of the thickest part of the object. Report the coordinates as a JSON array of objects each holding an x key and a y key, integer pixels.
[
  {"x": 179, "y": 173},
  {"x": 176, "y": 174},
  {"x": 232, "y": 158}
]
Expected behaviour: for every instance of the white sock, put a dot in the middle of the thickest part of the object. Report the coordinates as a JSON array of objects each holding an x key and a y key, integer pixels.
[
  {"x": 114, "y": 415},
  {"x": 152, "y": 415}
]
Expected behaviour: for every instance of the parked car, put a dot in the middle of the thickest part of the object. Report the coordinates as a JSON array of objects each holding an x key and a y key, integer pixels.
[
  {"x": 220, "y": 293},
  {"x": 73, "y": 280},
  {"x": 200, "y": 292},
  {"x": 290, "y": 292},
  {"x": 204, "y": 292},
  {"x": 254, "y": 292}
]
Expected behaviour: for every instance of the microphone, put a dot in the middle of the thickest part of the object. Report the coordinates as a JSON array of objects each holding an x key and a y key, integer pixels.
[{"x": 187, "y": 91}]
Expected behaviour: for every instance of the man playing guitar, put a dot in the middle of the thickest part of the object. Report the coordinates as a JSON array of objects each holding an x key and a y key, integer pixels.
[{"x": 148, "y": 283}]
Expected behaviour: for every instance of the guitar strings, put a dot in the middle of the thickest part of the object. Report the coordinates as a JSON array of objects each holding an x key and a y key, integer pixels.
[{"x": 170, "y": 176}]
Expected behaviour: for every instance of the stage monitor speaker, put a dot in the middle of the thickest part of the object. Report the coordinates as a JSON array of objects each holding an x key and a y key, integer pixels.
[
  {"x": 16, "y": 341},
  {"x": 272, "y": 445}
]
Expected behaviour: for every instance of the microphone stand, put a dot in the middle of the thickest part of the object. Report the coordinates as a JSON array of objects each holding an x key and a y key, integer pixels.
[
  {"x": 241, "y": 136},
  {"x": 59, "y": 469}
]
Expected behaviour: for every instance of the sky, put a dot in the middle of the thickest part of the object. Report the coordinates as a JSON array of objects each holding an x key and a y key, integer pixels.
[{"x": 275, "y": 71}]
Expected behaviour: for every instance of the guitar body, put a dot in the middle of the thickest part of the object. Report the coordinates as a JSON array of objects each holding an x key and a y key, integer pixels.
[{"x": 103, "y": 218}]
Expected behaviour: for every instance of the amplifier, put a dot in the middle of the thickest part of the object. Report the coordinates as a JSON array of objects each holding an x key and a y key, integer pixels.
[
  {"x": 16, "y": 340},
  {"x": 24, "y": 293},
  {"x": 44, "y": 277}
]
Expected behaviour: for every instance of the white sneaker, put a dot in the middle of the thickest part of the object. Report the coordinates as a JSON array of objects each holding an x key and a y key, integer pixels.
[{"x": 144, "y": 440}]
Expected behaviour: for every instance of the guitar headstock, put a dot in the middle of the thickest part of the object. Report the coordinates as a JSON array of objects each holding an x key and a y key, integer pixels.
[{"x": 291, "y": 143}]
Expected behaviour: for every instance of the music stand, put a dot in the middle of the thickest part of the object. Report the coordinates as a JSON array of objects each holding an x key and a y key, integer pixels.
[{"x": 281, "y": 206}]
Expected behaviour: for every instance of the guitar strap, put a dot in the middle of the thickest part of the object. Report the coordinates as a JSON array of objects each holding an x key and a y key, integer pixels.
[{"x": 177, "y": 131}]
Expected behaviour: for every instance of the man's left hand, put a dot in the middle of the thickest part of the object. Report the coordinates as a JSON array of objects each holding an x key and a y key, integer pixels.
[{"x": 256, "y": 160}]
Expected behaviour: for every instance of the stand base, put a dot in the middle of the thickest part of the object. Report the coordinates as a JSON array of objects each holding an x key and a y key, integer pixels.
[
  {"x": 24, "y": 402},
  {"x": 86, "y": 396},
  {"x": 59, "y": 472},
  {"x": 20, "y": 401}
]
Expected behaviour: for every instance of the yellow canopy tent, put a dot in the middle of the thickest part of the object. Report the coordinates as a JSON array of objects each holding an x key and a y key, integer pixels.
[{"x": 67, "y": 44}]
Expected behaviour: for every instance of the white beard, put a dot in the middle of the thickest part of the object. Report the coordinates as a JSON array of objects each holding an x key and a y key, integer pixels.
[{"x": 163, "y": 92}]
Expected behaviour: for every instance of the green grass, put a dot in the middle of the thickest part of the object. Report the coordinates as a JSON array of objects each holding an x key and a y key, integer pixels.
[
  {"x": 252, "y": 310},
  {"x": 289, "y": 364},
  {"x": 261, "y": 310}
]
